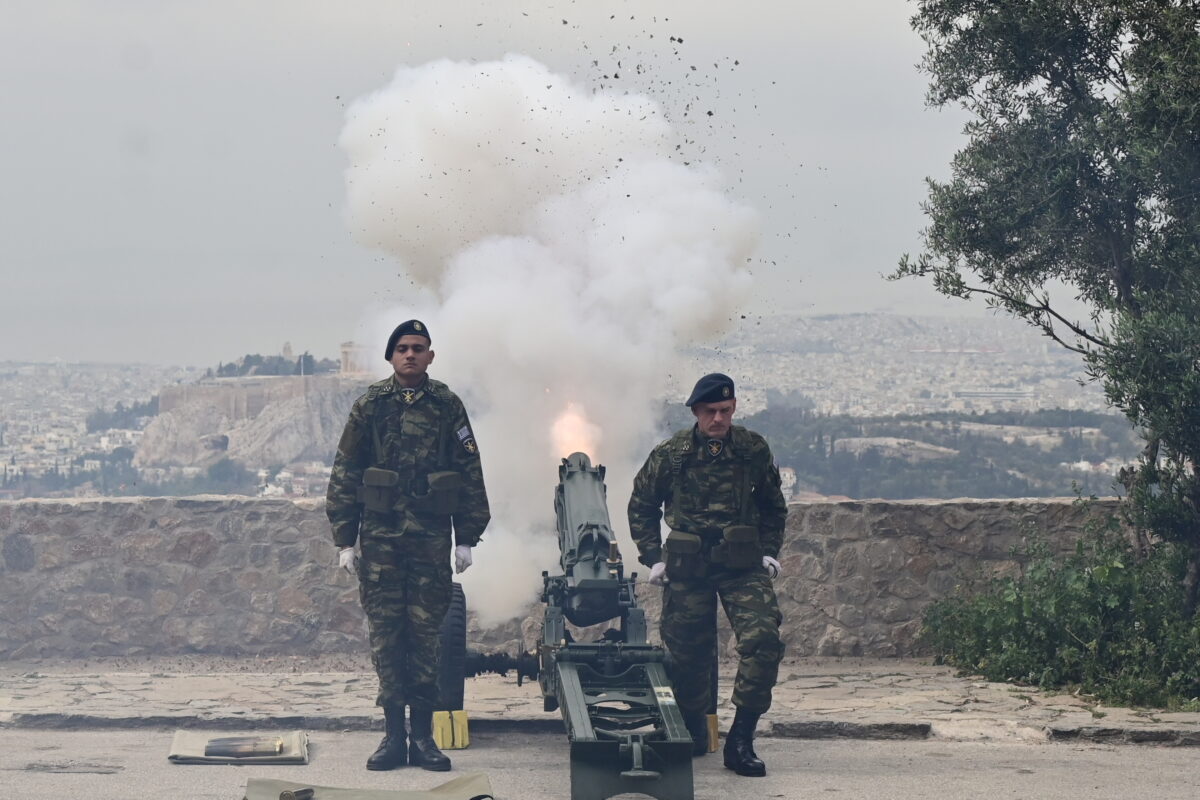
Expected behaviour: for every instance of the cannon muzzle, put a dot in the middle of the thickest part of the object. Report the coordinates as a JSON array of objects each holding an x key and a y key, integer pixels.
[{"x": 590, "y": 558}]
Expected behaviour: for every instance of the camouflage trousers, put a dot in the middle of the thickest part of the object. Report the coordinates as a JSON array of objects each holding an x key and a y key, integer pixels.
[
  {"x": 405, "y": 586},
  {"x": 689, "y": 631}
]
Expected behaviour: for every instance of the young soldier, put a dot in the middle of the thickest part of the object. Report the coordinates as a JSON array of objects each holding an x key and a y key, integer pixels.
[
  {"x": 406, "y": 475},
  {"x": 720, "y": 490}
]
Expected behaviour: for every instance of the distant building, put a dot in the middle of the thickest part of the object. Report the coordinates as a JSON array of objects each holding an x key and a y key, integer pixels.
[
  {"x": 788, "y": 477},
  {"x": 152, "y": 475},
  {"x": 354, "y": 359},
  {"x": 995, "y": 394},
  {"x": 237, "y": 398}
]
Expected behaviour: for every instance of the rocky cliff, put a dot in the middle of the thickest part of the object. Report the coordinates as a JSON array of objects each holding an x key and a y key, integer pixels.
[{"x": 257, "y": 423}]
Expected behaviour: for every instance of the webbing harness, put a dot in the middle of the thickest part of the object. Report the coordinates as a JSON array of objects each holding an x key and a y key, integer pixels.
[
  {"x": 378, "y": 452},
  {"x": 681, "y": 449}
]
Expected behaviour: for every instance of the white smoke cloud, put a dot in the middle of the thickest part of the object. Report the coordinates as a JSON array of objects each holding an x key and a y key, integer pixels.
[{"x": 563, "y": 259}]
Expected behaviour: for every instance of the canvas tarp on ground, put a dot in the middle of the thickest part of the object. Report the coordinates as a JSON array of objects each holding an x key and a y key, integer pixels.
[
  {"x": 188, "y": 748},
  {"x": 471, "y": 786}
]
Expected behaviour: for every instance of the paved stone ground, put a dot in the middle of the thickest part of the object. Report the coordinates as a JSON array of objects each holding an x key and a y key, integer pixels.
[{"x": 816, "y": 698}]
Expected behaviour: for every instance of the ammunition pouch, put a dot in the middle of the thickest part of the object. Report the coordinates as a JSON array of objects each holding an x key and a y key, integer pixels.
[
  {"x": 739, "y": 548},
  {"x": 441, "y": 493},
  {"x": 380, "y": 490},
  {"x": 682, "y": 554}
]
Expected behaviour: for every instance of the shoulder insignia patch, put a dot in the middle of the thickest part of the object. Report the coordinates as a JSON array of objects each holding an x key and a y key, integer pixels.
[
  {"x": 379, "y": 387},
  {"x": 438, "y": 390}
]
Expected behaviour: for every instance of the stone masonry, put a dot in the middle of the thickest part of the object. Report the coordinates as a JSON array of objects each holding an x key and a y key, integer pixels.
[{"x": 244, "y": 576}]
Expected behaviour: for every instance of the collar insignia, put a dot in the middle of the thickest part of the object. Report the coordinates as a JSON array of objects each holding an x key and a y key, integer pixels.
[
  {"x": 715, "y": 446},
  {"x": 470, "y": 446},
  {"x": 409, "y": 396}
]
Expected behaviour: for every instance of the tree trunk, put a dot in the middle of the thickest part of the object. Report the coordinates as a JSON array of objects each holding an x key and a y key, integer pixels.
[
  {"x": 1134, "y": 479},
  {"x": 1191, "y": 581}
]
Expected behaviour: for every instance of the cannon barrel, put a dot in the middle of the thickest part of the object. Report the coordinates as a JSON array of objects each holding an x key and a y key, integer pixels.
[{"x": 590, "y": 558}]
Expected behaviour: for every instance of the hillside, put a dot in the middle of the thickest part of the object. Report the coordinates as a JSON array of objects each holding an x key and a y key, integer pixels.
[
  {"x": 300, "y": 422},
  {"x": 1010, "y": 454}
]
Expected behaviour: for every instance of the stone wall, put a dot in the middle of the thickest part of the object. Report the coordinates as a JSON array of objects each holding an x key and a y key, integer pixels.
[
  {"x": 171, "y": 575},
  {"x": 237, "y": 398},
  {"x": 242, "y": 576},
  {"x": 858, "y": 575}
]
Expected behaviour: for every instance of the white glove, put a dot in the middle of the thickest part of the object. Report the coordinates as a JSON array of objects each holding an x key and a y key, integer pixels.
[
  {"x": 658, "y": 574},
  {"x": 462, "y": 558},
  {"x": 772, "y": 567},
  {"x": 348, "y": 560}
]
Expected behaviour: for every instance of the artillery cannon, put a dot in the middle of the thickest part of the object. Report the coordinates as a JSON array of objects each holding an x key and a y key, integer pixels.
[{"x": 625, "y": 730}]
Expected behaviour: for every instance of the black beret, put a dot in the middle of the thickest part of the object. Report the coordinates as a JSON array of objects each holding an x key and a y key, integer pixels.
[
  {"x": 712, "y": 388},
  {"x": 413, "y": 326}
]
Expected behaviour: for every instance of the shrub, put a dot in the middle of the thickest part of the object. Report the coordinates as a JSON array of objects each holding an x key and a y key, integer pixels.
[{"x": 1106, "y": 619}]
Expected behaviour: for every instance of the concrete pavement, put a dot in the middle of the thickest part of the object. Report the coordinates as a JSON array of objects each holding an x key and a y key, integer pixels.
[
  {"x": 132, "y": 765},
  {"x": 815, "y": 699}
]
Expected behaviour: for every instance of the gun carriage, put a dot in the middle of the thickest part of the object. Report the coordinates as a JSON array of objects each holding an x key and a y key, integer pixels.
[{"x": 625, "y": 730}]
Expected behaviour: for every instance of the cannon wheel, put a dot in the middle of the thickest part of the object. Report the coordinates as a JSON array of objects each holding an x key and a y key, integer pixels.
[{"x": 452, "y": 643}]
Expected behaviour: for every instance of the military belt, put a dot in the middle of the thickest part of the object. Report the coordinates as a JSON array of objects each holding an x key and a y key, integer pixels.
[
  {"x": 384, "y": 491},
  {"x": 734, "y": 547}
]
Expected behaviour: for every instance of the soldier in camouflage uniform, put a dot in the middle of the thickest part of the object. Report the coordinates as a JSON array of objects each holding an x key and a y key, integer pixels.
[
  {"x": 406, "y": 478},
  {"x": 723, "y": 504}
]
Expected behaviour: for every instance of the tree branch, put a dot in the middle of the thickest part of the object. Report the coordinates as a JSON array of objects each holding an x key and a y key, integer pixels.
[{"x": 1044, "y": 307}]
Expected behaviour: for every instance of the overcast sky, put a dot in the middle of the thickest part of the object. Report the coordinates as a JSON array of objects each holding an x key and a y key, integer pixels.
[{"x": 171, "y": 190}]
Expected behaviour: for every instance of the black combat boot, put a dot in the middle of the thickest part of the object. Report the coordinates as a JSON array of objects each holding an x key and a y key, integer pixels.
[
  {"x": 391, "y": 752},
  {"x": 697, "y": 726},
  {"x": 422, "y": 750},
  {"x": 739, "y": 746}
]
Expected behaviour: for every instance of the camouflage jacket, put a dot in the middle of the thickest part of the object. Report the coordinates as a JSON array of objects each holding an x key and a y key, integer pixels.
[
  {"x": 710, "y": 494},
  {"x": 408, "y": 436}
]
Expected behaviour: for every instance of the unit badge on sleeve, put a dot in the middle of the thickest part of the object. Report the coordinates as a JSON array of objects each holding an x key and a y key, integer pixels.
[{"x": 468, "y": 441}]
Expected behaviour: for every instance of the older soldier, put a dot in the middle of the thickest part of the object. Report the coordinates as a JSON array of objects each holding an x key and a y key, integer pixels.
[
  {"x": 406, "y": 476},
  {"x": 726, "y": 512}
]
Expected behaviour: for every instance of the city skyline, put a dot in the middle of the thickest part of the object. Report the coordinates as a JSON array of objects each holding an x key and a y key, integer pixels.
[{"x": 856, "y": 365}]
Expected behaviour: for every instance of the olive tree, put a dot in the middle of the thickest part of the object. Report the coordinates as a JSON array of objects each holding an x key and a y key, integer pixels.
[{"x": 1081, "y": 172}]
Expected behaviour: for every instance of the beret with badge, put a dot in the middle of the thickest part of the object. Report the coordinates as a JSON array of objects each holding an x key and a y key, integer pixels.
[
  {"x": 414, "y": 327},
  {"x": 712, "y": 388}
]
